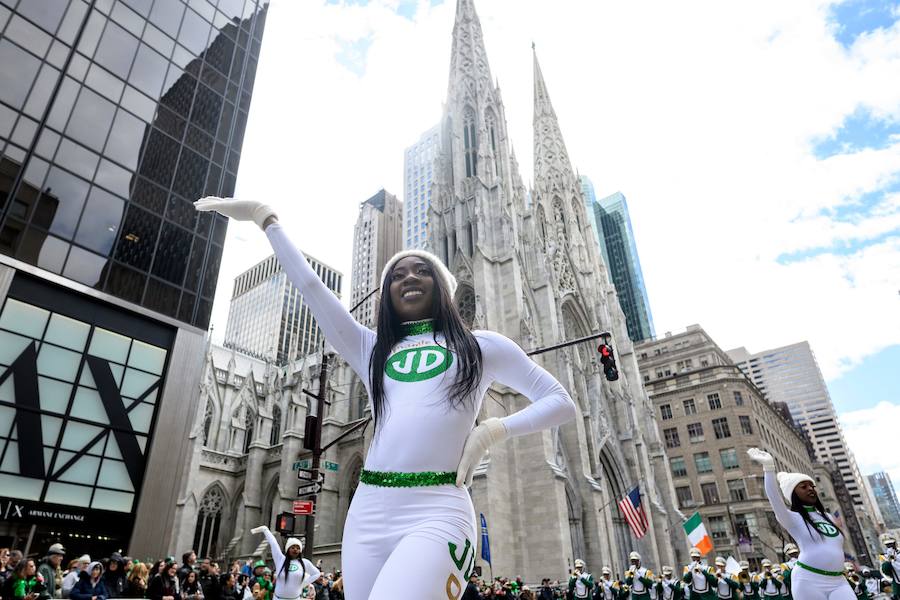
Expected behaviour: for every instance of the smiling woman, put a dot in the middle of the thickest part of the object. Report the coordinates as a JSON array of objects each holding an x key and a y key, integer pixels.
[{"x": 426, "y": 374}]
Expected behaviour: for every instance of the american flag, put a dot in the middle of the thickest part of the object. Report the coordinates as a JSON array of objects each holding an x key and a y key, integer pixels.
[{"x": 634, "y": 513}]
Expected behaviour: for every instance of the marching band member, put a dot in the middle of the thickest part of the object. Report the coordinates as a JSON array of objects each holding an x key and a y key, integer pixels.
[
  {"x": 606, "y": 588},
  {"x": 747, "y": 580},
  {"x": 890, "y": 563},
  {"x": 699, "y": 580},
  {"x": 769, "y": 582},
  {"x": 639, "y": 578},
  {"x": 792, "y": 552},
  {"x": 667, "y": 587},
  {"x": 856, "y": 583},
  {"x": 725, "y": 585},
  {"x": 581, "y": 583}
]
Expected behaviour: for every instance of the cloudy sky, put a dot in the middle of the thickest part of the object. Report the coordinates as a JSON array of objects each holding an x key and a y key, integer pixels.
[{"x": 758, "y": 144}]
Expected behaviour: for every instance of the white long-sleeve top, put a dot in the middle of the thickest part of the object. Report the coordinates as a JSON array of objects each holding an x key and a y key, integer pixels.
[
  {"x": 418, "y": 430},
  {"x": 290, "y": 582},
  {"x": 821, "y": 546}
]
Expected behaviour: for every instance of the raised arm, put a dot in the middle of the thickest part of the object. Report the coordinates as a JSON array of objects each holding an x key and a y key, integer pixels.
[
  {"x": 506, "y": 363},
  {"x": 274, "y": 546},
  {"x": 352, "y": 341},
  {"x": 782, "y": 513}
]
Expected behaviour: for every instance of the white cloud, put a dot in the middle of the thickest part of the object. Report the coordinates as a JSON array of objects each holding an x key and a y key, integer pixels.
[
  {"x": 704, "y": 115},
  {"x": 869, "y": 433}
]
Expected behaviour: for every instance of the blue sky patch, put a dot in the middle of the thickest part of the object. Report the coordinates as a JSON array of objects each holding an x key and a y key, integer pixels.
[
  {"x": 859, "y": 208},
  {"x": 353, "y": 54},
  {"x": 854, "y": 18},
  {"x": 859, "y": 130},
  {"x": 406, "y": 8},
  {"x": 839, "y": 248},
  {"x": 872, "y": 381}
]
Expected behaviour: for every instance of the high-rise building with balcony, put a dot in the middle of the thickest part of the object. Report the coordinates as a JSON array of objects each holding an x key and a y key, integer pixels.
[
  {"x": 114, "y": 117},
  {"x": 886, "y": 497}
]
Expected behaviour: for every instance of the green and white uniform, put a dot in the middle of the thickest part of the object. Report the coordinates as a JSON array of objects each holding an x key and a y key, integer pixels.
[
  {"x": 582, "y": 586},
  {"x": 701, "y": 581},
  {"x": 410, "y": 531},
  {"x": 890, "y": 566}
]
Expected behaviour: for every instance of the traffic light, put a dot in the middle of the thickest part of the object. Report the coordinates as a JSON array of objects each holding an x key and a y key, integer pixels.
[
  {"x": 284, "y": 524},
  {"x": 311, "y": 432},
  {"x": 608, "y": 361}
]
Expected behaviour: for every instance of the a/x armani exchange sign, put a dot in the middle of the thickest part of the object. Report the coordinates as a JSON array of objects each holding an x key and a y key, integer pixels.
[{"x": 77, "y": 406}]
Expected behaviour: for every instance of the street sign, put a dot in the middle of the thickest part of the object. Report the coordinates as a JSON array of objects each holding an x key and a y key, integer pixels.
[
  {"x": 303, "y": 507},
  {"x": 302, "y": 464},
  {"x": 305, "y": 475},
  {"x": 309, "y": 489},
  {"x": 330, "y": 466}
]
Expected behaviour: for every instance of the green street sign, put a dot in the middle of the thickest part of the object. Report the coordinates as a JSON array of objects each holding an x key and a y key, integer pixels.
[{"x": 330, "y": 466}]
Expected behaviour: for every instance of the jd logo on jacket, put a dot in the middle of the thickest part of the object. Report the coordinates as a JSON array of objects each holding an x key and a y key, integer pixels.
[
  {"x": 418, "y": 364},
  {"x": 827, "y": 529}
]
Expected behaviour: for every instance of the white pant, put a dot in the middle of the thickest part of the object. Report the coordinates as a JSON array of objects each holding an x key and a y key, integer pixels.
[
  {"x": 806, "y": 585},
  {"x": 416, "y": 542}
]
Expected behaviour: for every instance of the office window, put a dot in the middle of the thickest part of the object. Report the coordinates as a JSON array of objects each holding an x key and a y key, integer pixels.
[
  {"x": 746, "y": 428},
  {"x": 718, "y": 528},
  {"x": 695, "y": 432},
  {"x": 684, "y": 495},
  {"x": 679, "y": 469},
  {"x": 738, "y": 399},
  {"x": 710, "y": 493},
  {"x": 714, "y": 402},
  {"x": 671, "y": 436},
  {"x": 729, "y": 458},
  {"x": 689, "y": 407},
  {"x": 702, "y": 462},
  {"x": 665, "y": 411},
  {"x": 737, "y": 490},
  {"x": 720, "y": 427}
]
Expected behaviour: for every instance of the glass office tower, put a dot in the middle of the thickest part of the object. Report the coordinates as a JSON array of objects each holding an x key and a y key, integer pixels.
[{"x": 115, "y": 115}]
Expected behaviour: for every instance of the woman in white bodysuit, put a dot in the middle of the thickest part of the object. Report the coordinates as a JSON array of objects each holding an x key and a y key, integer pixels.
[
  {"x": 411, "y": 524},
  {"x": 818, "y": 574}
]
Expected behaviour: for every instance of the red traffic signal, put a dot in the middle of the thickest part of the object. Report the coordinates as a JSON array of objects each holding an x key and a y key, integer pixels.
[{"x": 607, "y": 359}]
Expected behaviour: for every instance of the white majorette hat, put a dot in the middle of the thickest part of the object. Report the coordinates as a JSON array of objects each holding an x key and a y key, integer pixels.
[
  {"x": 293, "y": 542},
  {"x": 788, "y": 481},
  {"x": 447, "y": 278}
]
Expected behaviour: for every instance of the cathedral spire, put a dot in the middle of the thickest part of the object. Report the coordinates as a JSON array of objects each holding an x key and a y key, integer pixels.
[
  {"x": 468, "y": 58},
  {"x": 550, "y": 155}
]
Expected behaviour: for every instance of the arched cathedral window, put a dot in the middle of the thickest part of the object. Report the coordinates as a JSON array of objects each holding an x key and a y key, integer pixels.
[
  {"x": 471, "y": 147},
  {"x": 207, "y": 421},
  {"x": 249, "y": 426},
  {"x": 209, "y": 518},
  {"x": 465, "y": 303},
  {"x": 275, "y": 436}
]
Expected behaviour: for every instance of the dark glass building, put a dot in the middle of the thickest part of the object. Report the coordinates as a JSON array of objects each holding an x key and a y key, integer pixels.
[{"x": 115, "y": 115}]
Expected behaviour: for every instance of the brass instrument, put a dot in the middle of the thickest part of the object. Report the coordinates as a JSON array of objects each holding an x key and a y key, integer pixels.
[
  {"x": 743, "y": 577},
  {"x": 853, "y": 577}
]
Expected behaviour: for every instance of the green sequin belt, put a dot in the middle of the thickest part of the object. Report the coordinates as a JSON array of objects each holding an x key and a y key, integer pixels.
[{"x": 396, "y": 479}]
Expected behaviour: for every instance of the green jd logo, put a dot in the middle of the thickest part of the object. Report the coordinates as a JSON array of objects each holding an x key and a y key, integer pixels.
[
  {"x": 827, "y": 529},
  {"x": 418, "y": 364},
  {"x": 294, "y": 567}
]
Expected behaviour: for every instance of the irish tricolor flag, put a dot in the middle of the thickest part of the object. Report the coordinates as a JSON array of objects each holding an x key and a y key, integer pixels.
[{"x": 696, "y": 533}]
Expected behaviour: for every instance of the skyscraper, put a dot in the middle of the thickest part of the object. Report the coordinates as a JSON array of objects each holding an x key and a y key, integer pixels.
[
  {"x": 790, "y": 374},
  {"x": 886, "y": 497},
  {"x": 114, "y": 117},
  {"x": 377, "y": 236},
  {"x": 590, "y": 198},
  {"x": 267, "y": 317},
  {"x": 619, "y": 251},
  {"x": 418, "y": 172}
]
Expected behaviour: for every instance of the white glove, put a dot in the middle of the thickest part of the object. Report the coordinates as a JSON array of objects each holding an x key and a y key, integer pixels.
[
  {"x": 239, "y": 210},
  {"x": 480, "y": 439},
  {"x": 763, "y": 458},
  {"x": 260, "y": 529}
]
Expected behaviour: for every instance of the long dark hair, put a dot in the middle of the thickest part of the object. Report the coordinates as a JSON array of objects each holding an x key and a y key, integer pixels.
[
  {"x": 459, "y": 340},
  {"x": 287, "y": 560},
  {"x": 799, "y": 507}
]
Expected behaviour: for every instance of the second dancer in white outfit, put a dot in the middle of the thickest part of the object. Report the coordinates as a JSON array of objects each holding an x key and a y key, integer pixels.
[
  {"x": 292, "y": 573},
  {"x": 411, "y": 524},
  {"x": 818, "y": 574}
]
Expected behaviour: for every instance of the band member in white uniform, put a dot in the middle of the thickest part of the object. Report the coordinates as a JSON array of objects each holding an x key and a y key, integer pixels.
[
  {"x": 668, "y": 588},
  {"x": 725, "y": 585},
  {"x": 581, "y": 583},
  {"x": 426, "y": 375},
  {"x": 699, "y": 579},
  {"x": 639, "y": 578}
]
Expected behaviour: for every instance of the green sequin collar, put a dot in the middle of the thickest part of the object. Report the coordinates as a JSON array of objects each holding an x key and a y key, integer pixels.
[
  {"x": 417, "y": 327},
  {"x": 396, "y": 479}
]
